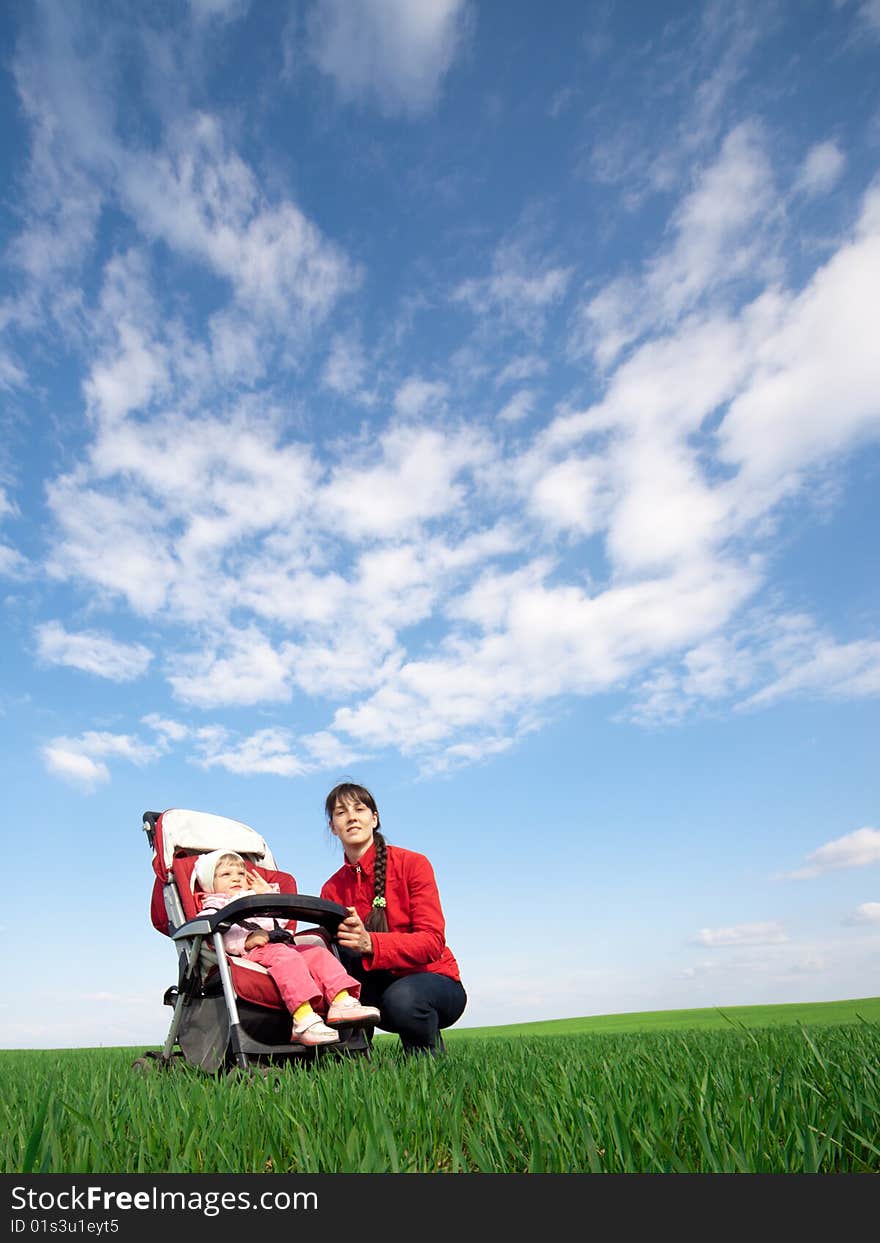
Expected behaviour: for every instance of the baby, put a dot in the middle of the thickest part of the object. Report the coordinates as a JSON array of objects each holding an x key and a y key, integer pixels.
[{"x": 309, "y": 977}]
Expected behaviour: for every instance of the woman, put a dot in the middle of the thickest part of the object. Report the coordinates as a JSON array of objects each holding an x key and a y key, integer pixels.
[{"x": 393, "y": 940}]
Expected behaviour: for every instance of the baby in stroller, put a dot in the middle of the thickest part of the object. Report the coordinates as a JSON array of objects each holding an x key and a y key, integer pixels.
[
  {"x": 309, "y": 978},
  {"x": 228, "y": 1010}
]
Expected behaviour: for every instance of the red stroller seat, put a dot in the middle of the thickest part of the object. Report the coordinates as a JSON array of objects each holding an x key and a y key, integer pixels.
[{"x": 227, "y": 1010}]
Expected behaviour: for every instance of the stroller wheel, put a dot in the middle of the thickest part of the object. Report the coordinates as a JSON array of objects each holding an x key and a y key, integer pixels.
[
  {"x": 152, "y": 1062},
  {"x": 270, "y": 1075}
]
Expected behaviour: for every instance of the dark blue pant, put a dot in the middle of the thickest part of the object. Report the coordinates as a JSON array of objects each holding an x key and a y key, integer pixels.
[{"x": 414, "y": 1006}]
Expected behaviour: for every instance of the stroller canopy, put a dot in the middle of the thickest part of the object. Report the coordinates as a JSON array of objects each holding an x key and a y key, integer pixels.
[{"x": 179, "y": 830}]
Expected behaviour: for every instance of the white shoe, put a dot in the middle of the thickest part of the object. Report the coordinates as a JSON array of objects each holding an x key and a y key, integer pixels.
[
  {"x": 313, "y": 1031},
  {"x": 350, "y": 1013}
]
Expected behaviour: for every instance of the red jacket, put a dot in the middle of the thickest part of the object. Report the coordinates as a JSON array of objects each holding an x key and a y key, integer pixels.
[{"x": 415, "y": 940}]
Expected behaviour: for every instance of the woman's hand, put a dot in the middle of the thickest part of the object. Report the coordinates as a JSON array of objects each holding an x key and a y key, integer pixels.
[
  {"x": 257, "y": 883},
  {"x": 255, "y": 939},
  {"x": 353, "y": 935}
]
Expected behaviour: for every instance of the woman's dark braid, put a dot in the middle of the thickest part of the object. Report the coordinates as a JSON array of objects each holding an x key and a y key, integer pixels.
[{"x": 377, "y": 920}]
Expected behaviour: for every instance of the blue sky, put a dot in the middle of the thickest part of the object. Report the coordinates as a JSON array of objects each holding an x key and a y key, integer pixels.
[{"x": 481, "y": 402}]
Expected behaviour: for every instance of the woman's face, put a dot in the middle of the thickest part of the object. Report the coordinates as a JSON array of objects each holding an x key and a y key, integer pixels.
[{"x": 353, "y": 823}]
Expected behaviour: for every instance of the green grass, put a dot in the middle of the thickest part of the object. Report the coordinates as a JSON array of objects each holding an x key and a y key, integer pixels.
[
  {"x": 794, "y": 1095},
  {"x": 809, "y": 1013}
]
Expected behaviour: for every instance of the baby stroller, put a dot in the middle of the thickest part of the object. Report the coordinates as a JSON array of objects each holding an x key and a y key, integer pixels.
[{"x": 227, "y": 1010}]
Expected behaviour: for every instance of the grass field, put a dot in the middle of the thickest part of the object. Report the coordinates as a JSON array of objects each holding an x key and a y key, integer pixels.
[
  {"x": 760, "y": 1090},
  {"x": 809, "y": 1013}
]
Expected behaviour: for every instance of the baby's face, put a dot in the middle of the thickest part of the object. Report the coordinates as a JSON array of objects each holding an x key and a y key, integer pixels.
[{"x": 230, "y": 876}]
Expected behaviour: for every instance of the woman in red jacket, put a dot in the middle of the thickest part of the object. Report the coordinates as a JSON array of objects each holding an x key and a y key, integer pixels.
[{"x": 393, "y": 940}]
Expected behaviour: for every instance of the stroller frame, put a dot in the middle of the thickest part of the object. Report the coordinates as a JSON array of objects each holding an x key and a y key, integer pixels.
[{"x": 215, "y": 1027}]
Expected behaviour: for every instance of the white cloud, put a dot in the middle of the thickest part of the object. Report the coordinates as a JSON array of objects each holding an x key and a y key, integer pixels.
[
  {"x": 666, "y": 513},
  {"x": 342, "y": 664},
  {"x": 820, "y": 357},
  {"x": 168, "y": 731},
  {"x": 79, "y": 761},
  {"x": 518, "y": 407},
  {"x": 770, "y": 933},
  {"x": 783, "y": 655},
  {"x": 870, "y": 13},
  {"x": 128, "y": 380},
  {"x": 394, "y": 53},
  {"x": 241, "y": 346},
  {"x": 773, "y": 969},
  {"x": 12, "y": 563},
  {"x": 202, "y": 199},
  {"x": 570, "y": 496},
  {"x": 521, "y": 368},
  {"x": 64, "y": 200},
  {"x": 247, "y": 669},
  {"x": 92, "y": 652},
  {"x": 834, "y": 670},
  {"x": 539, "y": 642},
  {"x": 648, "y": 426},
  {"x": 716, "y": 223},
  {"x": 225, "y": 515},
  {"x": 561, "y": 100},
  {"x": 11, "y": 374},
  {"x": 327, "y": 751},
  {"x": 8, "y": 508},
  {"x": 712, "y": 669},
  {"x": 858, "y": 849},
  {"x": 720, "y": 235},
  {"x": 111, "y": 542},
  {"x": 222, "y": 10},
  {"x": 265, "y": 751},
  {"x": 658, "y": 701},
  {"x": 276, "y": 587},
  {"x": 203, "y": 485},
  {"x": 346, "y": 368},
  {"x": 193, "y": 502},
  {"x": 519, "y": 293},
  {"x": 192, "y": 191},
  {"x": 821, "y": 169},
  {"x": 75, "y": 767},
  {"x": 417, "y": 396},
  {"x": 134, "y": 365},
  {"x": 417, "y": 479},
  {"x": 461, "y": 754},
  {"x": 867, "y": 913}
]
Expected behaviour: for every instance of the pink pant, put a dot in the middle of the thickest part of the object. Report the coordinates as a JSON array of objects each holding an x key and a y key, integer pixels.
[{"x": 304, "y": 973}]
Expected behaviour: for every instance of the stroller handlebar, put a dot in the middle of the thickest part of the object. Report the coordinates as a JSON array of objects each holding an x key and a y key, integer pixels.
[
  {"x": 149, "y": 819},
  {"x": 277, "y": 905}
]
